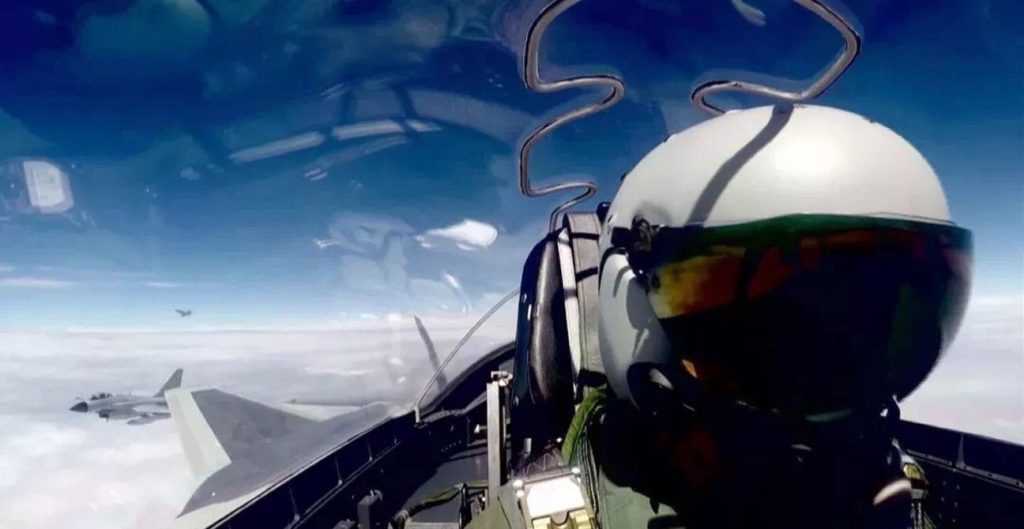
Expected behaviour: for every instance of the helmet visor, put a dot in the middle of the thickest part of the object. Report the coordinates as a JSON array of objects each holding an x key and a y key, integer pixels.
[{"x": 809, "y": 314}]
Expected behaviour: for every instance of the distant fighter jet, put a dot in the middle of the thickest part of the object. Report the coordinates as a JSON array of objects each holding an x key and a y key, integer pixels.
[
  {"x": 136, "y": 409},
  {"x": 184, "y": 313}
]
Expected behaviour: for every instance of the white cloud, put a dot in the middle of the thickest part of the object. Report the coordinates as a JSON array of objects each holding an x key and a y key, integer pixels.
[
  {"x": 162, "y": 284},
  {"x": 44, "y": 440},
  {"x": 977, "y": 385},
  {"x": 36, "y": 283},
  {"x": 451, "y": 280},
  {"x": 326, "y": 243},
  {"x": 6, "y": 268},
  {"x": 88, "y": 473},
  {"x": 467, "y": 234},
  {"x": 60, "y": 469}
]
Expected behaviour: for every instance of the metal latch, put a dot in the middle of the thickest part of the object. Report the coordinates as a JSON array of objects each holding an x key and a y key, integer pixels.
[
  {"x": 367, "y": 509},
  {"x": 554, "y": 502},
  {"x": 918, "y": 489},
  {"x": 497, "y": 407}
]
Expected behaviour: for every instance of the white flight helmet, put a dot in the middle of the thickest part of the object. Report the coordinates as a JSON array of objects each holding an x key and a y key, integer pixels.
[{"x": 794, "y": 259}]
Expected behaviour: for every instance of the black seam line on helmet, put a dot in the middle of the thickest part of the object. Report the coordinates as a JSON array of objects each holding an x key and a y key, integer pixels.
[
  {"x": 716, "y": 185},
  {"x": 614, "y": 250}
]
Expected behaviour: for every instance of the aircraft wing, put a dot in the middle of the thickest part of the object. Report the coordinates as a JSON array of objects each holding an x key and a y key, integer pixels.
[
  {"x": 214, "y": 426},
  {"x": 203, "y": 451},
  {"x": 238, "y": 448},
  {"x": 352, "y": 401}
]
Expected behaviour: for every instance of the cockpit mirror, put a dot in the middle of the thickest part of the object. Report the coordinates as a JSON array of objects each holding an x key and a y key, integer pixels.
[
  {"x": 48, "y": 187},
  {"x": 35, "y": 185}
]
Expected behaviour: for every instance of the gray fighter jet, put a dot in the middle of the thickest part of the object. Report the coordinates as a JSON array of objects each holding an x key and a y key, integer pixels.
[
  {"x": 238, "y": 448},
  {"x": 137, "y": 409}
]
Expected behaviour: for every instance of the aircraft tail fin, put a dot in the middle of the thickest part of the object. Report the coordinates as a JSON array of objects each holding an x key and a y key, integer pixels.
[
  {"x": 172, "y": 383},
  {"x": 435, "y": 363},
  {"x": 215, "y": 427}
]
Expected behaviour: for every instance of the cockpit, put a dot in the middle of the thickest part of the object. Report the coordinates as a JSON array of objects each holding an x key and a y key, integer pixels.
[{"x": 311, "y": 205}]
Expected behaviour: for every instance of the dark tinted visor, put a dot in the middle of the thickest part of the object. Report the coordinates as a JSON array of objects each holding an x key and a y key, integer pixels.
[{"x": 809, "y": 314}]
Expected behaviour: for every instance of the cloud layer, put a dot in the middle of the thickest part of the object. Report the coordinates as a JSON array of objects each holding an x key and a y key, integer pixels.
[
  {"x": 36, "y": 283},
  {"x": 977, "y": 386},
  {"x": 470, "y": 233},
  {"x": 60, "y": 469}
]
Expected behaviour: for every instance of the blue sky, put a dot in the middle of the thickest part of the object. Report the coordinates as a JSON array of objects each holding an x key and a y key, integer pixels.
[
  {"x": 293, "y": 168},
  {"x": 172, "y": 210}
]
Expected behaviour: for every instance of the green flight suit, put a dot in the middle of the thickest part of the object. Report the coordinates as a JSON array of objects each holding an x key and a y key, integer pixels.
[
  {"x": 639, "y": 474},
  {"x": 616, "y": 505}
]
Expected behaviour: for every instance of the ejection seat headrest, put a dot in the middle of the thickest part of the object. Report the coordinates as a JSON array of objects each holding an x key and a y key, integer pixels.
[
  {"x": 557, "y": 355},
  {"x": 542, "y": 380}
]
